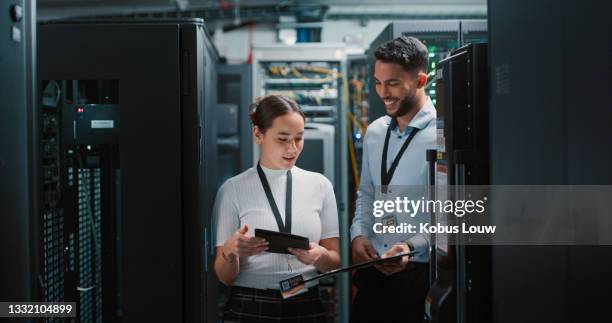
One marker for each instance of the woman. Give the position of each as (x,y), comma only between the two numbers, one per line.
(278,196)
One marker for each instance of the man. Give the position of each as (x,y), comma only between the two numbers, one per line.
(394,155)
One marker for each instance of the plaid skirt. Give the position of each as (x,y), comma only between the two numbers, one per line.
(267,305)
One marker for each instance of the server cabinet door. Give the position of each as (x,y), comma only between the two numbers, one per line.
(15,116)
(149,139)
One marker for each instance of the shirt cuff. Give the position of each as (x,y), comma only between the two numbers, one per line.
(419,244)
(357,230)
(329,235)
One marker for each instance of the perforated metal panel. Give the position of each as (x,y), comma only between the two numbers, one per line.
(98,235)
(90,280)
(53,260)
(52,225)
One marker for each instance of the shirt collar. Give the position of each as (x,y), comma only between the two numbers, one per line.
(420,120)
(274,172)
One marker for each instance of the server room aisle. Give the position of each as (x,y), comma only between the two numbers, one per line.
(120,120)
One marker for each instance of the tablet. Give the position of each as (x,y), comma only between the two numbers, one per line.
(296,285)
(280,241)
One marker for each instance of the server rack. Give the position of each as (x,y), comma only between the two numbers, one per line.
(315,76)
(127,162)
(234,150)
(461,273)
(564,139)
(17,149)
(473,32)
(551,147)
(358,80)
(440,36)
(235,138)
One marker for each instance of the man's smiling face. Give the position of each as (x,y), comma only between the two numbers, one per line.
(396,88)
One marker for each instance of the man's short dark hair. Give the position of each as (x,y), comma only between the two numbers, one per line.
(408,52)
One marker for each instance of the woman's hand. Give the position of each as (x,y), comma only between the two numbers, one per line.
(241,245)
(227,261)
(310,256)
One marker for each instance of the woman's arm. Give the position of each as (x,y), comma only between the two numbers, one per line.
(227,260)
(325,256)
(331,259)
(226,223)
(227,266)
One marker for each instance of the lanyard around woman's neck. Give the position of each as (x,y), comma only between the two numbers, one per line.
(282,227)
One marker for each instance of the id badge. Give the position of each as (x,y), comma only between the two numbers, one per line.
(389,220)
(292,286)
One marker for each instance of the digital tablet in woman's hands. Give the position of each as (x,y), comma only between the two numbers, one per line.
(281,241)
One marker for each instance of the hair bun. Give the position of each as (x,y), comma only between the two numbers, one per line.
(265,109)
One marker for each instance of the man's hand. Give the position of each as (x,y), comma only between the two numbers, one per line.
(391,267)
(310,256)
(363,250)
(239,244)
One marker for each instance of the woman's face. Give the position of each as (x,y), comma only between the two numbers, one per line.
(282,143)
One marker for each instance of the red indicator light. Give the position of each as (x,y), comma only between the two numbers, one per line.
(80,110)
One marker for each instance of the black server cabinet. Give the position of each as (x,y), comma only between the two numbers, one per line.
(461,287)
(17,188)
(551,110)
(126,110)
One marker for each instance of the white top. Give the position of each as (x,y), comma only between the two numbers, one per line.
(242,200)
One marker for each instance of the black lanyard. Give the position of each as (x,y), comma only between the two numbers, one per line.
(281,227)
(385,177)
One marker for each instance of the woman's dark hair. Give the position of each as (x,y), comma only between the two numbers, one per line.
(268,108)
(408,52)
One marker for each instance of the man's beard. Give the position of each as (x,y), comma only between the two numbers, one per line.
(406,105)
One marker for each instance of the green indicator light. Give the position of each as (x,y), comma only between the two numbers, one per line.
(431,54)
(432,91)
(433,64)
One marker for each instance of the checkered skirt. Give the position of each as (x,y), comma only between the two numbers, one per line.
(259,305)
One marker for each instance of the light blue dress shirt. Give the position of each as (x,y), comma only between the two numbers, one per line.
(411,174)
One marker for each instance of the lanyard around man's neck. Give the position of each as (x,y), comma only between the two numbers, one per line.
(286,227)
(385,177)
